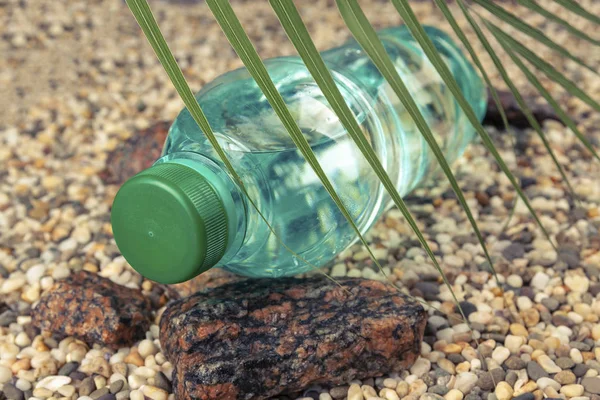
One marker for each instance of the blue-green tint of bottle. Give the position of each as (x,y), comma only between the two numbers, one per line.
(186,214)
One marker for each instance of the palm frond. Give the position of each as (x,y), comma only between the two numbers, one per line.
(529,30)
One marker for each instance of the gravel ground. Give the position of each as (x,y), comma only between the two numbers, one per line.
(77,78)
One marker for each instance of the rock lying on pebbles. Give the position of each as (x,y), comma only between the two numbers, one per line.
(254,339)
(93,309)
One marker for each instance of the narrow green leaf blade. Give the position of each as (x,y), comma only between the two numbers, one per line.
(533,122)
(572,6)
(240,42)
(299,36)
(529,30)
(549,70)
(564,117)
(534,6)
(443,6)
(428,47)
(143,15)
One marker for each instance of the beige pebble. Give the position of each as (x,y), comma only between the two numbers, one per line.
(22,364)
(368,391)
(518,330)
(53,382)
(454,394)
(154,393)
(22,340)
(446,365)
(134,358)
(528,387)
(42,393)
(389,394)
(146,348)
(390,383)
(573,390)
(503,391)
(402,388)
(547,364)
(5,374)
(355,392)
(135,395)
(67,390)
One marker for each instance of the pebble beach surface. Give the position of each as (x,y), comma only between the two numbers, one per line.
(77,79)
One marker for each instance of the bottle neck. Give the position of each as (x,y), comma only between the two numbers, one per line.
(227,190)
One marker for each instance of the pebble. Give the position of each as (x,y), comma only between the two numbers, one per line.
(513,343)
(67,390)
(540,281)
(591,385)
(548,365)
(572,390)
(577,283)
(503,391)
(155,393)
(454,394)
(339,392)
(465,382)
(543,383)
(389,394)
(116,386)
(525,396)
(565,362)
(96,394)
(420,367)
(68,368)
(161,381)
(489,379)
(355,392)
(147,348)
(12,392)
(87,386)
(500,354)
(515,363)
(53,382)
(535,371)
(5,374)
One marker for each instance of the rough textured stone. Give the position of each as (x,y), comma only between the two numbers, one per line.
(255,338)
(136,154)
(207,280)
(541,112)
(93,309)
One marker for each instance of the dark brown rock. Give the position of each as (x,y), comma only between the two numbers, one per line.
(514,114)
(136,154)
(256,338)
(93,309)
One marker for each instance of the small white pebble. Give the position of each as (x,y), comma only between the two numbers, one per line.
(22,340)
(53,382)
(145,372)
(133,395)
(515,281)
(23,384)
(135,381)
(147,348)
(5,374)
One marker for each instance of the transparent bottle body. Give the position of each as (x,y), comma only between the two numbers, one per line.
(283,185)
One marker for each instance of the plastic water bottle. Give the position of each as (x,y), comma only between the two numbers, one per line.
(185,214)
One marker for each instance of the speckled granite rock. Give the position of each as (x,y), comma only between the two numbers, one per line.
(136,154)
(207,280)
(93,309)
(256,338)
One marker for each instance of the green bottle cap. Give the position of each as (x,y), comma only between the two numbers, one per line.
(169,223)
